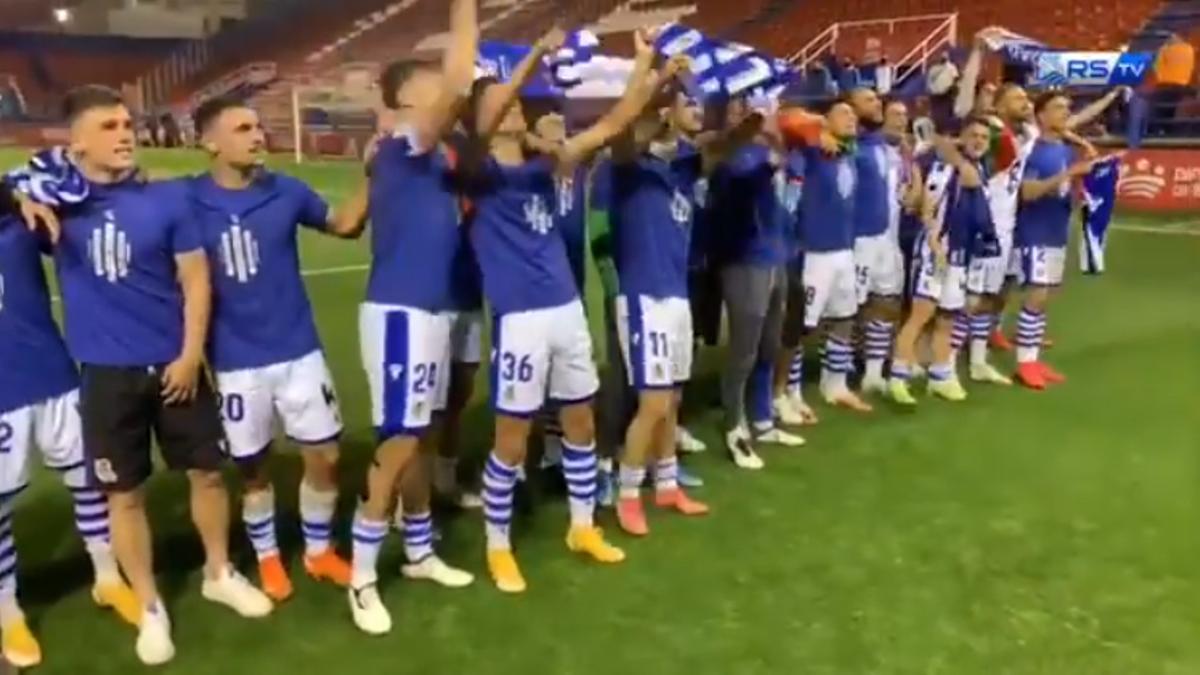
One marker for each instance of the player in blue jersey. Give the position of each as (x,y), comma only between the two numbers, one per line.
(957,219)
(263,343)
(136,294)
(655,172)
(408,317)
(1040,240)
(39,409)
(541,342)
(878,262)
(827,237)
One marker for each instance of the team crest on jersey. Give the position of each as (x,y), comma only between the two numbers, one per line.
(239,252)
(681,209)
(845,179)
(539,218)
(110,250)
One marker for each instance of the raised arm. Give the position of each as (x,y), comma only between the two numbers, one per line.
(350,219)
(643,85)
(458,71)
(494,107)
(964,103)
(1094,109)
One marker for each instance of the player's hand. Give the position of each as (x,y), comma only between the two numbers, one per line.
(968,175)
(981,38)
(643,43)
(180,380)
(675,65)
(38,216)
(939,254)
(829,143)
(553,40)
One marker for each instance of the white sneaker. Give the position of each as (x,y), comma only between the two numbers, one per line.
(874,385)
(368,611)
(154,645)
(686,442)
(777,436)
(737,442)
(436,570)
(236,592)
(986,372)
(792,410)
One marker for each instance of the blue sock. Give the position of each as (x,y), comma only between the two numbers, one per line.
(941,372)
(759,395)
(9,609)
(877,345)
(796,372)
(418,536)
(499,482)
(580,471)
(1031,331)
(901,371)
(258,516)
(958,335)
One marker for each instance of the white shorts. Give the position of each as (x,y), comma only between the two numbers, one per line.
(947,286)
(1039,265)
(878,267)
(406,355)
(466,337)
(985,276)
(299,392)
(829,286)
(656,340)
(54,428)
(540,352)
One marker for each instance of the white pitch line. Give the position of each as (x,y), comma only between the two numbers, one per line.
(324,271)
(1151,229)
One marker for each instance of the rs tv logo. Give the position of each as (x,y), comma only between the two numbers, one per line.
(1092,69)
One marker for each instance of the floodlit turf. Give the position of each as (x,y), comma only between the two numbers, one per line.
(1042,533)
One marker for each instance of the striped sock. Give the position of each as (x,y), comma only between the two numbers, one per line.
(499,481)
(877,346)
(91,521)
(316,518)
(839,361)
(579,468)
(958,334)
(418,536)
(941,372)
(258,515)
(981,329)
(666,474)
(796,372)
(901,371)
(368,539)
(9,608)
(631,478)
(1031,330)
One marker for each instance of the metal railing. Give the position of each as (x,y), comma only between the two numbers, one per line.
(825,42)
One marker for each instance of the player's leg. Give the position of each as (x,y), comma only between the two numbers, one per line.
(1041,271)
(787,389)
(59,435)
(19,646)
(942,379)
(401,350)
(190,439)
(116,433)
(307,404)
(573,382)
(841,308)
(668,490)
(884,306)
(746,292)
(645,349)
(248,417)
(769,347)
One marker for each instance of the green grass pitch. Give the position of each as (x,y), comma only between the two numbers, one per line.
(1051,533)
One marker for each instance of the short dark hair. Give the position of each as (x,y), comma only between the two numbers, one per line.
(207,112)
(87,97)
(974,120)
(890,101)
(1046,97)
(395,74)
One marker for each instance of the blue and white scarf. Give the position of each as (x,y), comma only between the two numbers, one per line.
(50,179)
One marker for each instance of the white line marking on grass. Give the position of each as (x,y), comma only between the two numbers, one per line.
(1150,229)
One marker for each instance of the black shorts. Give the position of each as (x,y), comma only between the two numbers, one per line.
(120,407)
